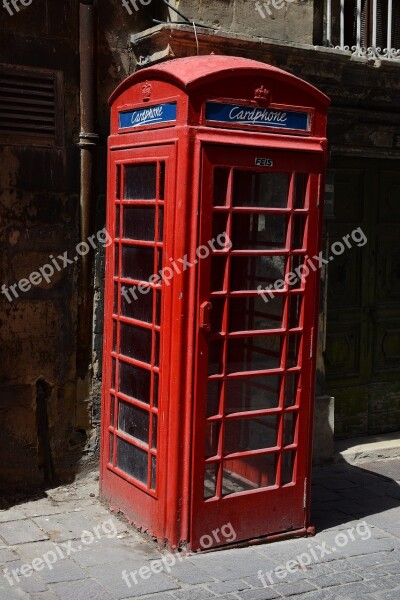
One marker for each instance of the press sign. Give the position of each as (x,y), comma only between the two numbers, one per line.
(151,115)
(264,162)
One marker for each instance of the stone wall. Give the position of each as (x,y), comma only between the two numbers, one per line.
(49,402)
(280,20)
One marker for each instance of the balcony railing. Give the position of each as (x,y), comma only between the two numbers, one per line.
(369,28)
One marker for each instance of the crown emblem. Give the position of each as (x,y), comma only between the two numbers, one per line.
(262,94)
(146,91)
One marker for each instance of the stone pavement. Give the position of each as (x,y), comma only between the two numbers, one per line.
(63,546)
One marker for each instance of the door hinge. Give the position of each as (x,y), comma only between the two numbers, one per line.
(311,342)
(305,494)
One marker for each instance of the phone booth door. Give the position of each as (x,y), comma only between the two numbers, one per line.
(140,187)
(254,349)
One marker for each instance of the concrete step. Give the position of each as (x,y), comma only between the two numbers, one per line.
(369,448)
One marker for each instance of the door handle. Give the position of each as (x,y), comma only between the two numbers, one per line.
(204,317)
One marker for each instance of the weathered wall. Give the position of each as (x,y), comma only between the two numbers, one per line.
(39,217)
(283,20)
(49,414)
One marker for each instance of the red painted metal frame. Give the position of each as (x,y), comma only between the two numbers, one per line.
(175,512)
(242,510)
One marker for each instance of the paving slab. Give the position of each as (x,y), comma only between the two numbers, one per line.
(81,590)
(28,580)
(20,532)
(111,578)
(63,570)
(355,554)
(44,596)
(74,525)
(13,514)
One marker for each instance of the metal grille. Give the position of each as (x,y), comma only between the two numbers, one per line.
(27,103)
(369,28)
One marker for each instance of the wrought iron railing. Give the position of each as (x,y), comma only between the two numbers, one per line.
(369,28)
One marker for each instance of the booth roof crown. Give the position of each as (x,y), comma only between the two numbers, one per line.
(262,93)
(146,90)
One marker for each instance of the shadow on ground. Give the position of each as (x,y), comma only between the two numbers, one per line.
(344,492)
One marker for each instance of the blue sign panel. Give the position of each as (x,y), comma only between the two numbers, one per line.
(162,113)
(235,114)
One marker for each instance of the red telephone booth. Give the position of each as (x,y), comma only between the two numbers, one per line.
(215,192)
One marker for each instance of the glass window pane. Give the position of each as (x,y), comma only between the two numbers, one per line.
(158,308)
(296,263)
(217,314)
(139,223)
(215,356)
(291,388)
(220,226)
(300,186)
(157,348)
(134,382)
(289,428)
(259,232)
(116,294)
(161,191)
(214,391)
(160,256)
(136,342)
(250,434)
(134,421)
(250,272)
(116,265)
(153,472)
(249,473)
(218,272)
(221,178)
(298,231)
(288,460)
(252,393)
(140,182)
(210,480)
(137,305)
(112,410)
(137,262)
(115,331)
(118,182)
(111,455)
(265,190)
(160,224)
(156,391)
(254,353)
(132,460)
(113,370)
(212,439)
(293,350)
(117,220)
(295,305)
(155,432)
(246,314)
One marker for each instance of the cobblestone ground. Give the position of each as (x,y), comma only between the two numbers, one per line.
(356,553)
